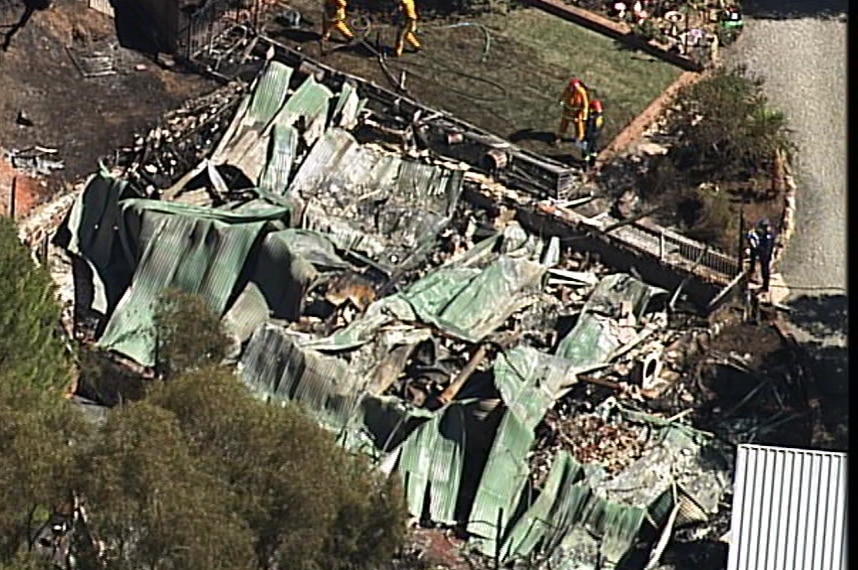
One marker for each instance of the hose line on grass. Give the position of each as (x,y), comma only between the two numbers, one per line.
(363,32)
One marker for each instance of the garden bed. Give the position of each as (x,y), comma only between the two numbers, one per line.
(711,166)
(692,29)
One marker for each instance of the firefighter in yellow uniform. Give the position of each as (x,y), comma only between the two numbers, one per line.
(576,104)
(407,32)
(334,18)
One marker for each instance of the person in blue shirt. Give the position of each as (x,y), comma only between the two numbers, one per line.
(761,243)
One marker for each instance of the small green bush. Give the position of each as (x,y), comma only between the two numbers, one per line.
(726,128)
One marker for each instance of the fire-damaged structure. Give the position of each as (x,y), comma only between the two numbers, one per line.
(424,326)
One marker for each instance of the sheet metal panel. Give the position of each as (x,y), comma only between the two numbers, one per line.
(283,146)
(431,462)
(195,255)
(789,510)
(268,94)
(274,367)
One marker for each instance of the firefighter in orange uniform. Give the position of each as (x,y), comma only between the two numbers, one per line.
(407,33)
(576,103)
(334,18)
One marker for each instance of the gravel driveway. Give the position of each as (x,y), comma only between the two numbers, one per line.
(799,48)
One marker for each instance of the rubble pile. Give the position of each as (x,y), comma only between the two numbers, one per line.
(592,439)
(160,157)
(430,331)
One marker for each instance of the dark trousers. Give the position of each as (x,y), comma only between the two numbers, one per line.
(591,141)
(765,259)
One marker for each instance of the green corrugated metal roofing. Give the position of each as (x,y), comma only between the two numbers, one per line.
(256,109)
(503,480)
(268,93)
(349,104)
(276,368)
(90,227)
(471,303)
(248,312)
(157,245)
(529,382)
(571,526)
(373,202)
(430,464)
(594,336)
(283,146)
(537,525)
(310,100)
(248,140)
(194,255)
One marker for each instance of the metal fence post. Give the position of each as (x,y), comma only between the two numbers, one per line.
(742,238)
(12,197)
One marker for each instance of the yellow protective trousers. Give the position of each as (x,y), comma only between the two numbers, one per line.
(407,34)
(334,18)
(578,117)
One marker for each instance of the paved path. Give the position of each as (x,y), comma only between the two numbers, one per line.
(801,54)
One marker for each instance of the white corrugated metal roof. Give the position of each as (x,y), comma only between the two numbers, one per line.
(789,510)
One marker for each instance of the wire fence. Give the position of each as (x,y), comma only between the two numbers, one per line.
(675,249)
(199,29)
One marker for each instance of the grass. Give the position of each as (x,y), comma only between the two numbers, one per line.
(511,88)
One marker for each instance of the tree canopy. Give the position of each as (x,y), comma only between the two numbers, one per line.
(195,475)
(31,350)
(308,503)
(189,335)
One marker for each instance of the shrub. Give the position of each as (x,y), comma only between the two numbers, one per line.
(189,335)
(728,129)
(308,503)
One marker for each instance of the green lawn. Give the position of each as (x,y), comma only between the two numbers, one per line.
(512,89)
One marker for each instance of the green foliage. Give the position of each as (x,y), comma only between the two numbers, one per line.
(35,430)
(715,221)
(309,504)
(149,501)
(31,348)
(726,127)
(23,561)
(189,335)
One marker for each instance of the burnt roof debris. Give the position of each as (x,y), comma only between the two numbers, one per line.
(431,331)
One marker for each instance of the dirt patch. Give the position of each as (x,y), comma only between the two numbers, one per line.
(745,386)
(83,118)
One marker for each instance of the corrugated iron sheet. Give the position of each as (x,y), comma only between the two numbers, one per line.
(373,202)
(283,145)
(529,381)
(595,335)
(93,217)
(276,368)
(268,95)
(309,100)
(195,255)
(430,464)
(249,310)
(471,303)
(347,108)
(502,483)
(789,510)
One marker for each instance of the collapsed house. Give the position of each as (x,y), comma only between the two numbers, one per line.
(434,335)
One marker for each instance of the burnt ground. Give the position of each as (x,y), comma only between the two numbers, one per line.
(500,71)
(745,385)
(83,118)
